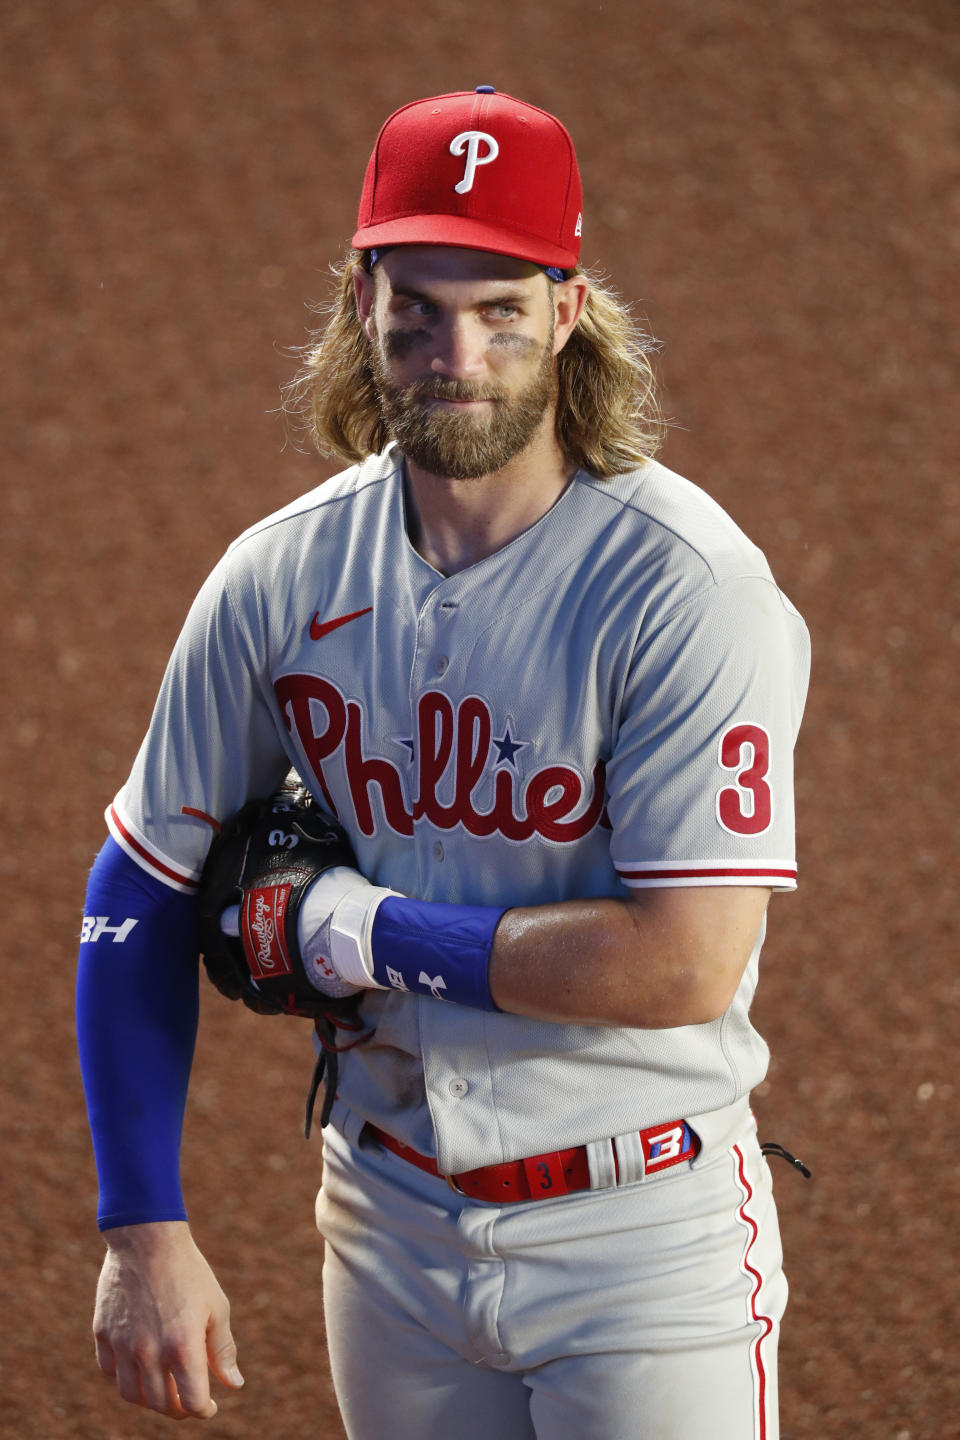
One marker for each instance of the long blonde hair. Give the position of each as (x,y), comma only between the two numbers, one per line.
(608,414)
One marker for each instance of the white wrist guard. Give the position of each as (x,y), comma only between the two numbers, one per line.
(334,929)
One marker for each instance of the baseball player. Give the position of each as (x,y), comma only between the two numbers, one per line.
(550,692)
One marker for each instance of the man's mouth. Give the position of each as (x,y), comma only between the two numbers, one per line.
(454,395)
(457,404)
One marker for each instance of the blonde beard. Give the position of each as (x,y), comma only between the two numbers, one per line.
(463,446)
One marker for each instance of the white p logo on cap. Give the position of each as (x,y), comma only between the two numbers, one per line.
(469,141)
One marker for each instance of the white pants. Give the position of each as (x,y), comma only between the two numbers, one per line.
(650,1312)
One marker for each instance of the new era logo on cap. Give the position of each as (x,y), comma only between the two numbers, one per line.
(476,169)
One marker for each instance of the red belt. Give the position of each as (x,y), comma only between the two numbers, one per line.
(558,1172)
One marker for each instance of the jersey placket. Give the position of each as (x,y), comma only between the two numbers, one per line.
(455,1092)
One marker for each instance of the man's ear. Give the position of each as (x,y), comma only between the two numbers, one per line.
(364,289)
(569,298)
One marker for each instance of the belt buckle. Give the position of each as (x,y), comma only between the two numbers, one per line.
(451,1181)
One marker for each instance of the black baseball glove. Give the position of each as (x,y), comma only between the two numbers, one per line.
(259,868)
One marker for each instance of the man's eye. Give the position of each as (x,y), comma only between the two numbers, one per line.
(504,312)
(422,308)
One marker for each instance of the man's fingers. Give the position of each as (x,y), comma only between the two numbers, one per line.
(178,1386)
(189,1370)
(145,1382)
(159,1392)
(105,1357)
(174,1408)
(222,1351)
(128,1379)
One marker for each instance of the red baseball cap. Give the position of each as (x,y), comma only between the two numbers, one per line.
(475,169)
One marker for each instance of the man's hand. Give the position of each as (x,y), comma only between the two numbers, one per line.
(272,880)
(161,1319)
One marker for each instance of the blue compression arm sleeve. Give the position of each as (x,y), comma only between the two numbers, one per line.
(137,1004)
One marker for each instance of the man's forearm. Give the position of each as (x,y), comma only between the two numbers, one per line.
(137,1002)
(661,959)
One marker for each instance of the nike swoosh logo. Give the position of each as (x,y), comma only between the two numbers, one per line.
(318,630)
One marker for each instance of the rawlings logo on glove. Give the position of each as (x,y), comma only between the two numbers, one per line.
(262,934)
(252,888)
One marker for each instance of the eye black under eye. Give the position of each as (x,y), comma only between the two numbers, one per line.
(398,343)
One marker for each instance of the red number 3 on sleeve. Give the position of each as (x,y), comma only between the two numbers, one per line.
(746,806)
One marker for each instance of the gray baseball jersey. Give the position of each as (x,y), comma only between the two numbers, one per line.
(609,701)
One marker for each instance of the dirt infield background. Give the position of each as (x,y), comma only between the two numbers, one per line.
(775,181)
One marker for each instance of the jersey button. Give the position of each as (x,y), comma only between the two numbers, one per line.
(458,1088)
(441,664)
(438,850)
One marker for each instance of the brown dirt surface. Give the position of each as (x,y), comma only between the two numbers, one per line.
(777,185)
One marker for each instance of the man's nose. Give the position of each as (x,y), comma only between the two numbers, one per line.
(459,349)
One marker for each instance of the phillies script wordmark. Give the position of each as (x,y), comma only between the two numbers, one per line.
(453,740)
